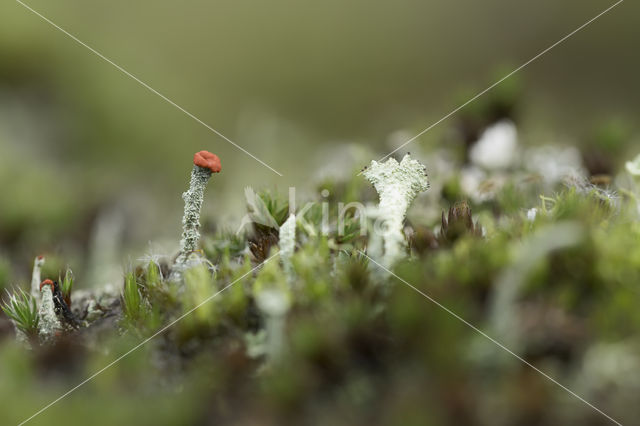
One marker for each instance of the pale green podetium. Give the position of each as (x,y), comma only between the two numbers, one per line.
(48,325)
(38,262)
(274,304)
(287,242)
(397,185)
(204,164)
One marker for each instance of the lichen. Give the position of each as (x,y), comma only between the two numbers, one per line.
(497,148)
(397,185)
(193,199)
(274,304)
(287,242)
(49,324)
(36,278)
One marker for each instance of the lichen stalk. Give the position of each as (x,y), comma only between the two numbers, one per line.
(397,185)
(193,199)
(205,163)
(49,325)
(274,304)
(287,242)
(36,278)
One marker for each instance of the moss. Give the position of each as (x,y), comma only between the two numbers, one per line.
(357,346)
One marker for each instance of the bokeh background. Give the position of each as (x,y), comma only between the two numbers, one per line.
(87,153)
(89,157)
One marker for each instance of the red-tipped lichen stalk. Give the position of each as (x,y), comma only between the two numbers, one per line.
(204,164)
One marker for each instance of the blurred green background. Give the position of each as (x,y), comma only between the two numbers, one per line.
(86,152)
(92,166)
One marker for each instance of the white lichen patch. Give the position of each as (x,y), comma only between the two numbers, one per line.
(497,148)
(553,163)
(397,185)
(287,243)
(480,186)
(21,336)
(35,278)
(49,324)
(274,304)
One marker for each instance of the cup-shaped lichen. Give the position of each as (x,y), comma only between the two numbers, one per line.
(397,185)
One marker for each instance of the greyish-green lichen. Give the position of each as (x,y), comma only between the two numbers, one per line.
(287,242)
(36,278)
(397,185)
(49,324)
(274,304)
(193,199)
(21,336)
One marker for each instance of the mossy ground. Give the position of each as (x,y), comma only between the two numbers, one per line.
(361,346)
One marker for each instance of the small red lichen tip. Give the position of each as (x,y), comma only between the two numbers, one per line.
(46,282)
(40,257)
(207,160)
